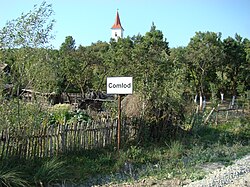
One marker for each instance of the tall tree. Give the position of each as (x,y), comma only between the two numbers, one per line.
(154,74)
(101,65)
(246,70)
(22,39)
(235,60)
(32,29)
(203,55)
(120,58)
(77,66)
(23,36)
(68,45)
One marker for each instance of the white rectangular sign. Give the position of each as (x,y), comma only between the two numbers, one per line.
(119,85)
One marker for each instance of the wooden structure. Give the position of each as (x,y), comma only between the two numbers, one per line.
(224,113)
(57,139)
(46,98)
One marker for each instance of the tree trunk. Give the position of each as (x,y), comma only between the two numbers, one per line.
(195,99)
(201,101)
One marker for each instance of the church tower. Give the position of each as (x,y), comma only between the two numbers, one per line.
(116,29)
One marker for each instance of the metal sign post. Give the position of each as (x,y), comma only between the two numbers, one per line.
(119,123)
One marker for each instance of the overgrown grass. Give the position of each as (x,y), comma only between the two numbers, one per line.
(12,178)
(177,158)
(50,171)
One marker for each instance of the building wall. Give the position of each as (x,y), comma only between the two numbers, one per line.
(117,33)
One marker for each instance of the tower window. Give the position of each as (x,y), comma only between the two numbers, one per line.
(115,33)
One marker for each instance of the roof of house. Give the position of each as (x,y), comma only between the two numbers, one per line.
(117,24)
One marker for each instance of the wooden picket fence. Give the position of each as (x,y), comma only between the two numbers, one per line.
(57,139)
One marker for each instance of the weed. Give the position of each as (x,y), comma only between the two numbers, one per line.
(176,149)
(51,171)
(11,178)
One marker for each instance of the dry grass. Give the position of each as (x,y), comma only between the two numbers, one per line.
(132,106)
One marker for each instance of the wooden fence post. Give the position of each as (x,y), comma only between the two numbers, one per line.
(207,118)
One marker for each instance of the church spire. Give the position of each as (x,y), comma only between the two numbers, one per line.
(117,29)
(117,24)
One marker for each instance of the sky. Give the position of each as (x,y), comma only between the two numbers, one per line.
(89,21)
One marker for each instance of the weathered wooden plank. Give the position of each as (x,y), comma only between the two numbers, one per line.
(29,147)
(1,142)
(25,147)
(7,142)
(4,143)
(32,144)
(50,141)
(66,138)
(59,147)
(63,132)
(74,137)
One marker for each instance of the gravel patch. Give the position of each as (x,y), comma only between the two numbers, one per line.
(238,174)
(242,181)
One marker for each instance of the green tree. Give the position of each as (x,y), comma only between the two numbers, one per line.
(159,80)
(23,36)
(120,58)
(101,66)
(32,29)
(235,61)
(76,66)
(246,70)
(203,55)
(66,54)
(155,75)
(68,45)
(180,69)
(21,43)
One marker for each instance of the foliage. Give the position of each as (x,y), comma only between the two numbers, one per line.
(60,113)
(203,53)
(162,76)
(21,42)
(63,113)
(175,149)
(16,113)
(214,91)
(79,116)
(134,153)
(77,66)
(51,171)
(11,178)
(146,59)
(235,61)
(29,30)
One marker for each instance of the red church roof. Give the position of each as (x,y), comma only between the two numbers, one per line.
(117,24)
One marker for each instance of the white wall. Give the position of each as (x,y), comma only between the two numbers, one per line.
(116,33)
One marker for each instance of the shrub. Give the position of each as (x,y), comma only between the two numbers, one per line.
(59,112)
